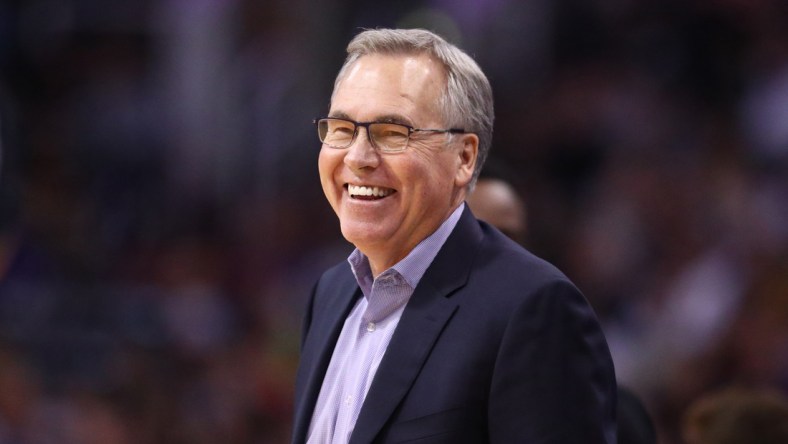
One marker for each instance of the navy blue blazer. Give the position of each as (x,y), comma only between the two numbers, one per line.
(494,346)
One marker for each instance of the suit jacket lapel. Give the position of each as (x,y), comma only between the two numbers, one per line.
(317,351)
(420,326)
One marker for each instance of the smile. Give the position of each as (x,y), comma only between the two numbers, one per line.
(368,192)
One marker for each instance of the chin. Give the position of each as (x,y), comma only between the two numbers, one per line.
(359,233)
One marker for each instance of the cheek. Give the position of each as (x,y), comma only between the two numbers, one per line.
(429,184)
(425,161)
(435,166)
(326,164)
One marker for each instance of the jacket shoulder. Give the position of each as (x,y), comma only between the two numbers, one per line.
(503,260)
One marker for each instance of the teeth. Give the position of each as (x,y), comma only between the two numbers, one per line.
(356,190)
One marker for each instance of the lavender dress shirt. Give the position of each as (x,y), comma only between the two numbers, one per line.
(366,334)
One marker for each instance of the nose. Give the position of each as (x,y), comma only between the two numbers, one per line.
(361,153)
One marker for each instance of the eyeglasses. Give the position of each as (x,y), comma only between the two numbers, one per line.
(385,137)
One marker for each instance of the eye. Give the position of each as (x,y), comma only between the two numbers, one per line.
(340,128)
(390,131)
(336,133)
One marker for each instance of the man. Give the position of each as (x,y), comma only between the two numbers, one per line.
(440,329)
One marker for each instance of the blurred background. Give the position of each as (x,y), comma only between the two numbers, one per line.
(162,222)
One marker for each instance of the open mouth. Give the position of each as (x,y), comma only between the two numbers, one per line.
(363,192)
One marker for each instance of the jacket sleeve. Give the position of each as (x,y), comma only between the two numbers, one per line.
(553,380)
(307,318)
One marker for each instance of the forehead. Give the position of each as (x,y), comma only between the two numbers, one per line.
(376,84)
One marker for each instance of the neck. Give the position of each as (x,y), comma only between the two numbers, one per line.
(389,252)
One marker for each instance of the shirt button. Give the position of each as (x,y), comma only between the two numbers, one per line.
(371,327)
(348,400)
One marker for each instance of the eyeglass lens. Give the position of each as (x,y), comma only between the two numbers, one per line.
(339,133)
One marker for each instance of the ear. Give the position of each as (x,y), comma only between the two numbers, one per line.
(467,154)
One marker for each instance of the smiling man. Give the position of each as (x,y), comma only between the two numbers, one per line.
(438,329)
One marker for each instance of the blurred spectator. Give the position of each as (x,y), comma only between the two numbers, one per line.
(497,202)
(737,416)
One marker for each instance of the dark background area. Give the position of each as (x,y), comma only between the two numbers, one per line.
(162,222)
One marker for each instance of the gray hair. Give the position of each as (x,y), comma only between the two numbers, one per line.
(467,101)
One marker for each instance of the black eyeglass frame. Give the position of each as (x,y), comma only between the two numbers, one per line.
(366,125)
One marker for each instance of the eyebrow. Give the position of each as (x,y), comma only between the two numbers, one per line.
(386,118)
(394,118)
(339,115)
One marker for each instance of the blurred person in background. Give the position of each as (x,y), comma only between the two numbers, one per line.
(737,416)
(497,202)
(440,329)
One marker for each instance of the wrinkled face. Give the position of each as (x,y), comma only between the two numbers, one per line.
(388,202)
